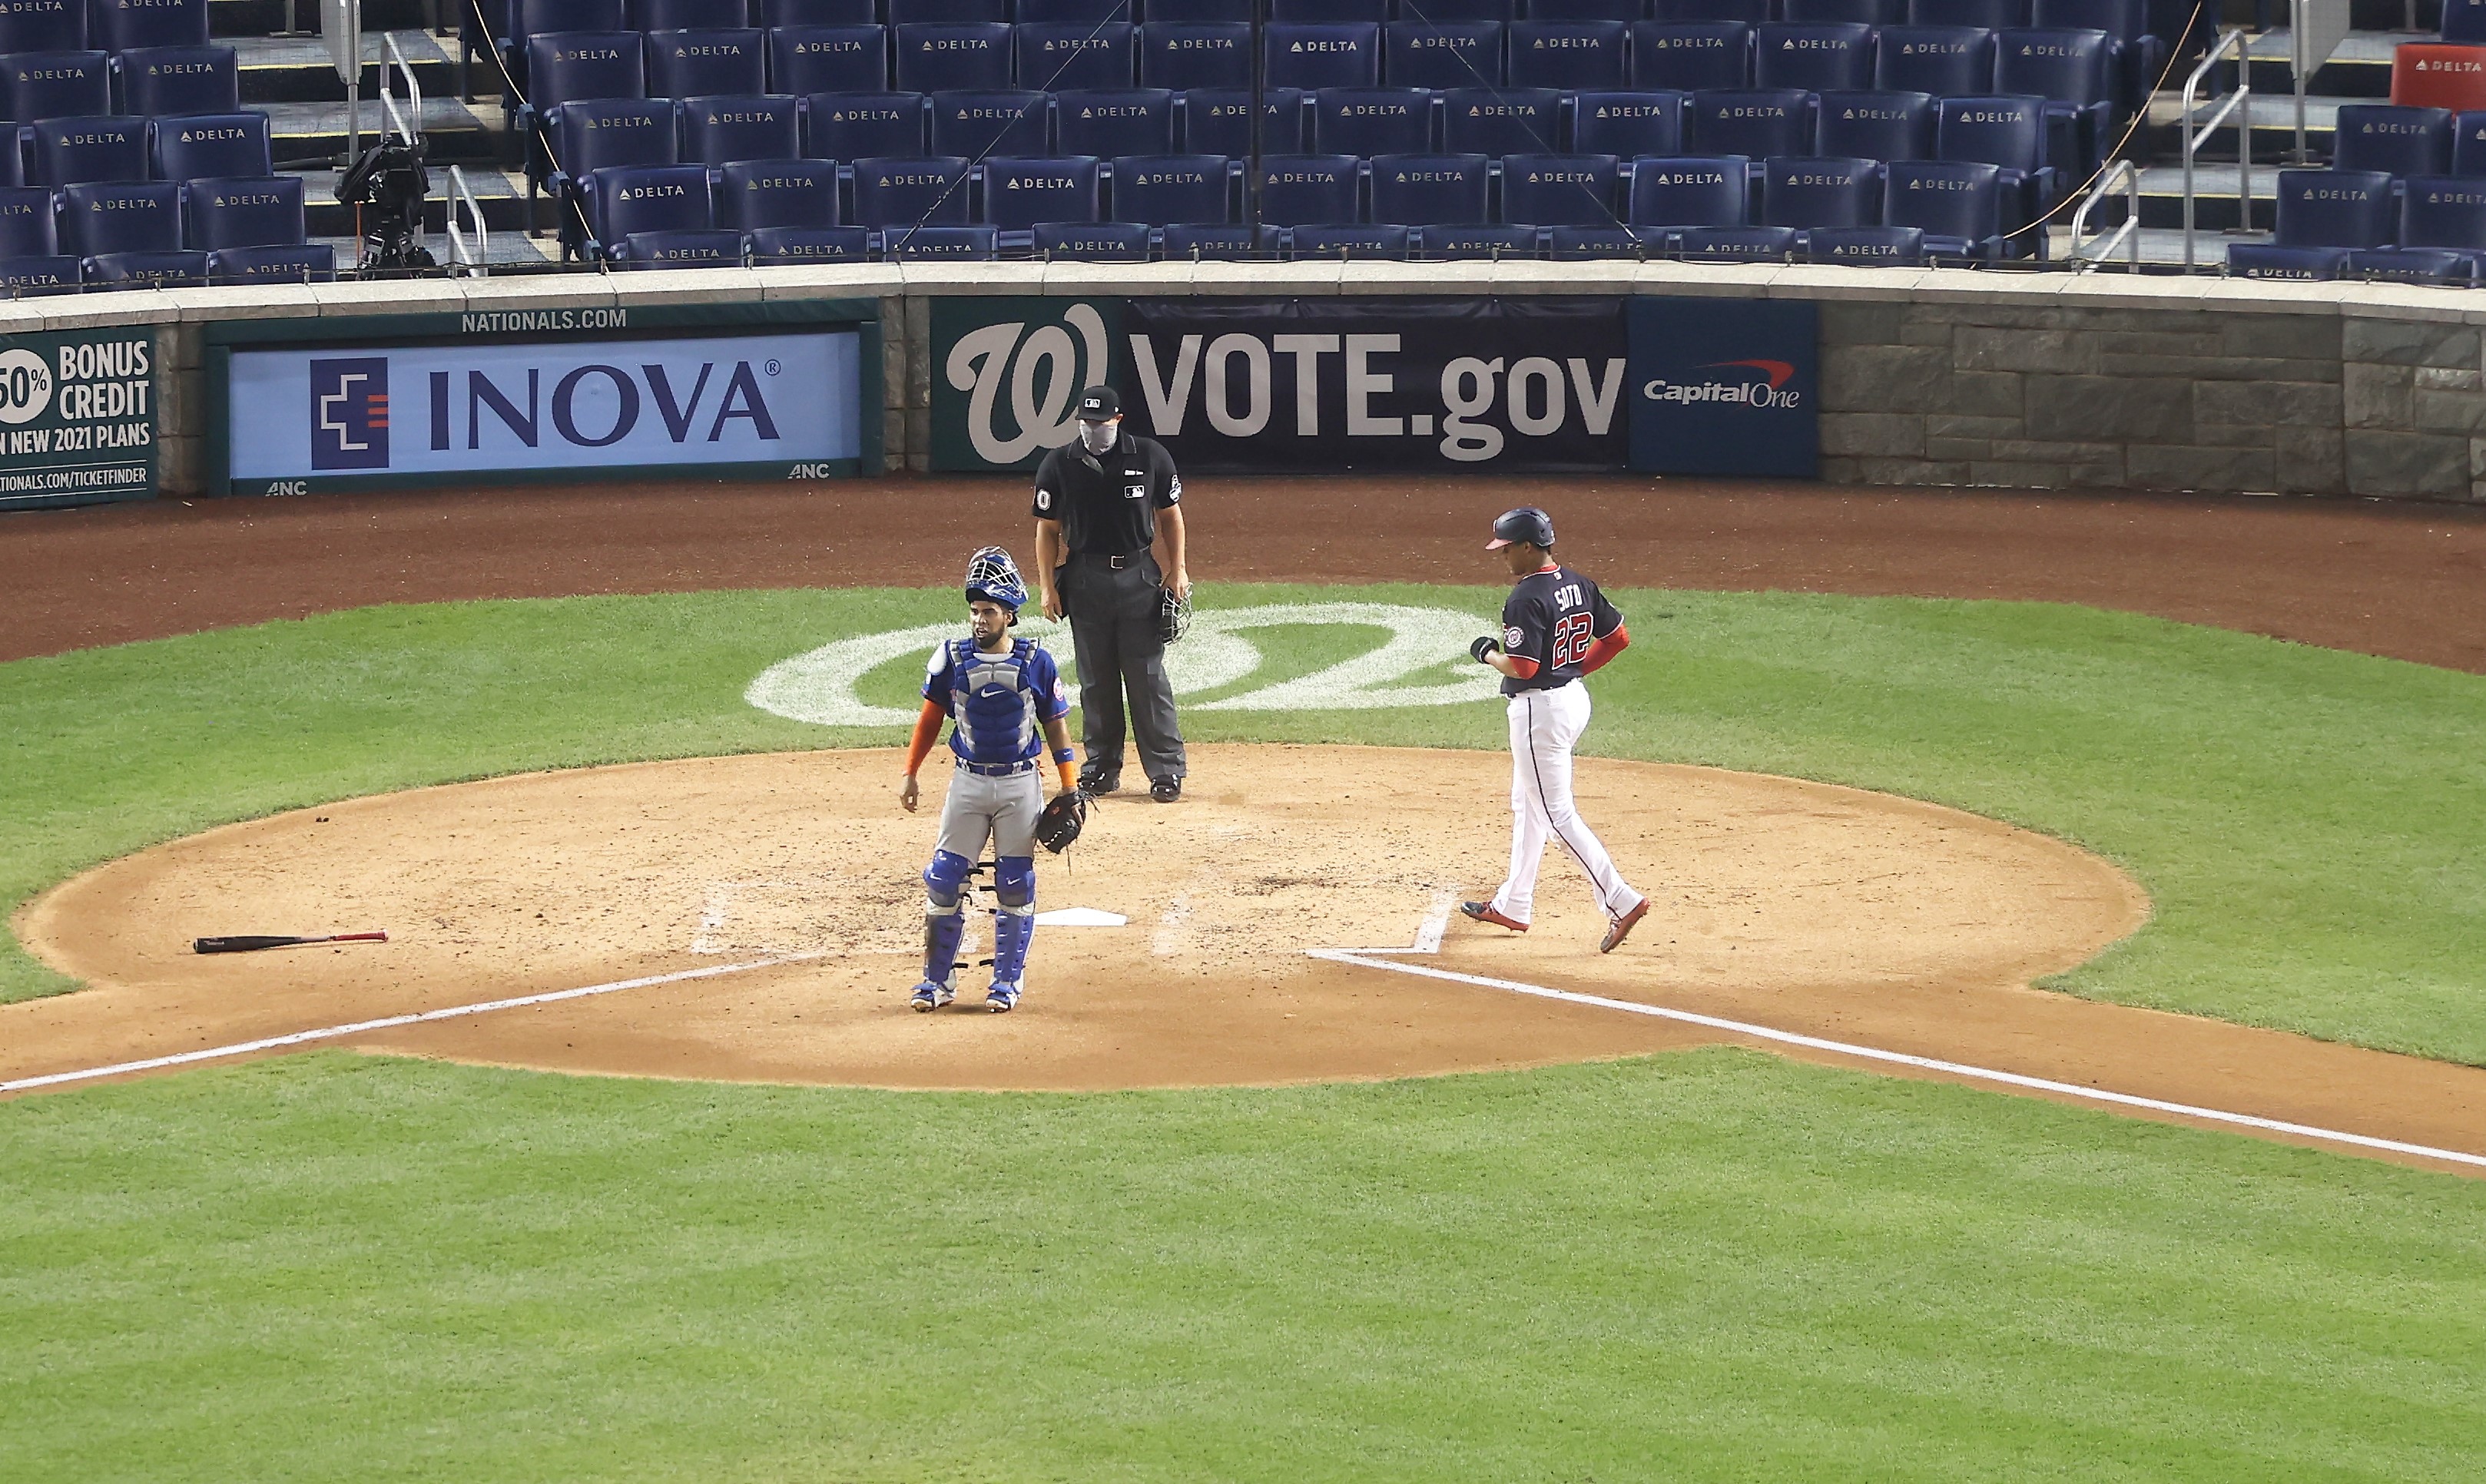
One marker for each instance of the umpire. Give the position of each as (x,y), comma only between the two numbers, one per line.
(1108,531)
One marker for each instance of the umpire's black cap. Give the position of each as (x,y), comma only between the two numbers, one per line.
(1099,404)
(1526,526)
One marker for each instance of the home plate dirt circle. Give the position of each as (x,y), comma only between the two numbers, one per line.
(1768,887)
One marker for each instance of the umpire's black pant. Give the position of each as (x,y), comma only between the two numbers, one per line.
(1114,634)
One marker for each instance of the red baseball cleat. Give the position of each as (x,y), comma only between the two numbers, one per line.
(1484,912)
(1620,928)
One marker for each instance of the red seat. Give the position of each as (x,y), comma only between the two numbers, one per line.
(2428,74)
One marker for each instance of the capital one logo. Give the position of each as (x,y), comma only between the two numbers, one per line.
(1022,384)
(349,407)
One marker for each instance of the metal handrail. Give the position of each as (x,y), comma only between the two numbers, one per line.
(396,63)
(476,259)
(2122,172)
(2242,98)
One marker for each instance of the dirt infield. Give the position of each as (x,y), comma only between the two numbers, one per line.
(2406,581)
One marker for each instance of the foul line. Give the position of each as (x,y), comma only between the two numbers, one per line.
(358,1028)
(1365,958)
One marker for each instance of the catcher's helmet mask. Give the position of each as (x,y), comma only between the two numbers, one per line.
(992,577)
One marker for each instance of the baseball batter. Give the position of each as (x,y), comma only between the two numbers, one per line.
(1555,628)
(1005,702)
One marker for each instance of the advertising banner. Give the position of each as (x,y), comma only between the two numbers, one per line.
(1726,386)
(77,417)
(1006,372)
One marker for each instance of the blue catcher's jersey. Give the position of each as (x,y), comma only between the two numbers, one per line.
(999,702)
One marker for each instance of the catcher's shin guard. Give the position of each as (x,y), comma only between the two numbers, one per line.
(1014,920)
(944,880)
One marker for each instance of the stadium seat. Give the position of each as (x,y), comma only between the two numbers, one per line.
(931,190)
(1055,56)
(688,14)
(2464,20)
(164,81)
(572,67)
(976,124)
(2070,70)
(1865,247)
(255,211)
(69,151)
(1178,243)
(1626,11)
(1346,240)
(55,85)
(1502,12)
(696,247)
(1628,124)
(1737,244)
(304,263)
(1172,190)
(804,60)
(1430,190)
(1309,189)
(2005,132)
(1875,126)
(2138,55)
(752,194)
(1371,121)
(1443,54)
(1752,121)
(120,217)
(1944,61)
(195,148)
(1876,13)
(1567,54)
(147,268)
(2335,208)
(1309,56)
(1217,121)
(1988,15)
(2395,141)
(809,244)
(1019,193)
(967,58)
(2413,265)
(1065,11)
(716,130)
(26,222)
(2469,144)
(42,25)
(1472,242)
(973,244)
(600,133)
(2443,212)
(1200,12)
(1957,204)
(531,18)
(509,25)
(126,25)
(2299,263)
(1823,58)
(1558,190)
(1688,55)
(1325,12)
(1131,121)
(1090,242)
(622,199)
(707,64)
(948,13)
(778,13)
(866,126)
(1809,191)
(1502,121)
(30,276)
(1585,244)
(1690,192)
(1196,54)
(1750,13)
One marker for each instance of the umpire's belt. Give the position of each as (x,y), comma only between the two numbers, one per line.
(997,769)
(1111,561)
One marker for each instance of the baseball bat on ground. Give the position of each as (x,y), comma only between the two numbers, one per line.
(247,942)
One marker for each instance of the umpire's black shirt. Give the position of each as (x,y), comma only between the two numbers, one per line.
(1107,503)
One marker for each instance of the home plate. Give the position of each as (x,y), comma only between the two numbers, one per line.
(1080,917)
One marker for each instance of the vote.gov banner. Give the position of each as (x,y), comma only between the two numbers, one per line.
(1726,386)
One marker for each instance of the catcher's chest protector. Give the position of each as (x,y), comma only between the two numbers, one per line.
(992,697)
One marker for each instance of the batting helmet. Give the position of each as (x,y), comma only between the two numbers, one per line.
(1174,615)
(1526,526)
(992,577)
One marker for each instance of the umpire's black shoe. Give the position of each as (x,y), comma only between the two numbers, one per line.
(1165,790)
(1101,783)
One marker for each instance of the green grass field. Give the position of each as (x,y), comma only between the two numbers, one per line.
(1711,1265)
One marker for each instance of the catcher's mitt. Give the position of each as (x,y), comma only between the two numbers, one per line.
(1059,821)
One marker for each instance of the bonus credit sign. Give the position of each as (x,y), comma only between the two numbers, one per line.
(77,417)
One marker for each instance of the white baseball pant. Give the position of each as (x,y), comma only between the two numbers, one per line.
(1544,725)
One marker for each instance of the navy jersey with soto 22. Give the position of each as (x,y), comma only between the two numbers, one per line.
(999,702)
(1551,621)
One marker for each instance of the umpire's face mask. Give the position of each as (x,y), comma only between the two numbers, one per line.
(1098,437)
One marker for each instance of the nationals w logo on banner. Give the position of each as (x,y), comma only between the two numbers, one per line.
(1006,374)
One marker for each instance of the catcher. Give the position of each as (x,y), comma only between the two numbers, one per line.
(998,692)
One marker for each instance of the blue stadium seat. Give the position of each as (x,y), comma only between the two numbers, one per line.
(1865,247)
(31,276)
(1750,13)
(2293,263)
(2414,265)
(1628,124)
(2070,69)
(1346,240)
(971,244)
(902,192)
(517,51)
(1474,242)
(1989,14)
(624,199)
(966,58)
(1558,190)
(776,13)
(752,194)
(2336,208)
(716,130)
(147,268)
(804,60)
(570,67)
(164,81)
(1090,242)
(2395,141)
(947,12)
(1753,121)
(688,14)
(1690,191)
(1957,204)
(1218,121)
(1502,121)
(593,134)
(26,222)
(55,85)
(1567,54)
(779,245)
(1019,193)
(530,18)
(1371,121)
(1876,13)
(120,217)
(1200,12)
(306,262)
(195,148)
(1309,189)
(1170,190)
(1805,191)
(1832,56)
(259,212)
(1131,121)
(1430,190)
(1875,126)
(2005,132)
(1504,10)
(1180,243)
(42,25)
(1196,54)
(1688,55)
(1737,244)
(69,151)
(2464,20)
(866,126)
(1586,244)
(1064,12)
(707,64)
(1443,54)
(1625,11)
(2443,212)
(1055,56)
(126,25)
(1309,56)
(1944,61)
(696,247)
(2139,55)
(976,124)
(1327,11)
